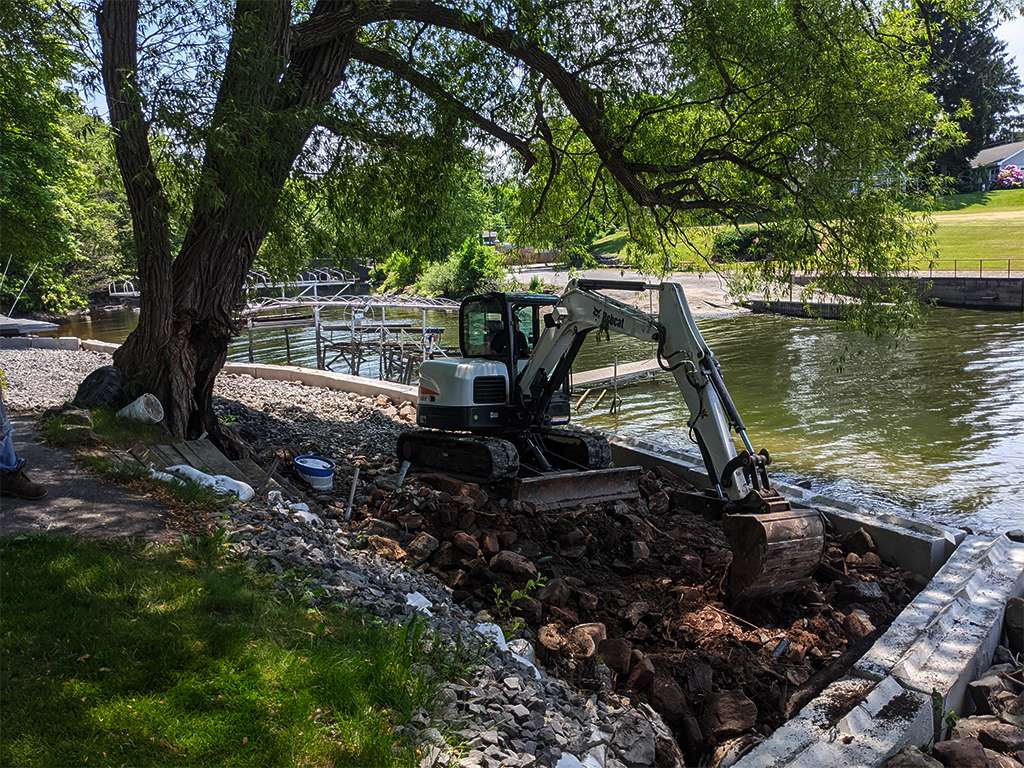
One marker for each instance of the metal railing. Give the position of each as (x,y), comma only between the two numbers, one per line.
(1008,267)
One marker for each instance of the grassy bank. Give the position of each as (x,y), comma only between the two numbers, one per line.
(982,225)
(116,654)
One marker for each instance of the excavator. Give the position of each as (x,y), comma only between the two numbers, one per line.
(498,415)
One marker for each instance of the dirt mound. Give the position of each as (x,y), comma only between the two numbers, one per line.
(629,599)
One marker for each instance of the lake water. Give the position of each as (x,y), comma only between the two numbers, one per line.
(933,424)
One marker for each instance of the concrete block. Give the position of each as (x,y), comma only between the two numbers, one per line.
(44,342)
(99,346)
(16,342)
(70,343)
(947,635)
(854,722)
(312,377)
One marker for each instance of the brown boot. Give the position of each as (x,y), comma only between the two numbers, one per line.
(14,482)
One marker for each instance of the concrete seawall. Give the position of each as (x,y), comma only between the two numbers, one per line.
(998,293)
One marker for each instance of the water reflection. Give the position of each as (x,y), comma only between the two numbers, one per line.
(934,423)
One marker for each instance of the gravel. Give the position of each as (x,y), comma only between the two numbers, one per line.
(41,378)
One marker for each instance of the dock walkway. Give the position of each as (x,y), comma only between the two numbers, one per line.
(602,377)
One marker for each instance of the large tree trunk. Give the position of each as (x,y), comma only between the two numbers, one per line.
(265,111)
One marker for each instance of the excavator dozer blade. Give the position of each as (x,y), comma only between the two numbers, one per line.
(555,490)
(772,552)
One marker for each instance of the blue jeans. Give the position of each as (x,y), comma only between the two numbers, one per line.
(8,458)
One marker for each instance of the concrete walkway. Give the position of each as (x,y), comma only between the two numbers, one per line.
(78,502)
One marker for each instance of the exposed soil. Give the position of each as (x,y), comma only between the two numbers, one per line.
(641,586)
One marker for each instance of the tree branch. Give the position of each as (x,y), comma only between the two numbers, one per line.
(381,59)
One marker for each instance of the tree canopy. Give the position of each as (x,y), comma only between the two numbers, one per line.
(972,76)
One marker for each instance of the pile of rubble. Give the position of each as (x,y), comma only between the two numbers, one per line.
(994,736)
(505,713)
(627,600)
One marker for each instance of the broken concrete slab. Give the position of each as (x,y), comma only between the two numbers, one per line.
(948,634)
(854,722)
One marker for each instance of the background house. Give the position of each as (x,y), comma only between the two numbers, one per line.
(985,166)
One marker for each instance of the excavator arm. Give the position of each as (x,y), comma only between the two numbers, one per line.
(775,547)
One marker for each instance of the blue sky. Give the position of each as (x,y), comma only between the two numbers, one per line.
(1013,33)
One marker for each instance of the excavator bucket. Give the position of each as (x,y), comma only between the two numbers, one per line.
(772,552)
(555,490)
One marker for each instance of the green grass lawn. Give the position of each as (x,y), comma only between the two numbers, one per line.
(994,229)
(122,655)
(979,202)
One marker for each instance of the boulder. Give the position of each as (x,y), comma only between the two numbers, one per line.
(859,542)
(912,757)
(728,714)
(996,760)
(639,552)
(855,590)
(557,592)
(1012,711)
(617,653)
(668,699)
(858,624)
(513,564)
(489,544)
(641,673)
(386,547)
(1002,737)
(103,388)
(970,727)
(550,639)
(961,753)
(421,547)
(76,416)
(465,543)
(982,690)
(870,559)
(595,629)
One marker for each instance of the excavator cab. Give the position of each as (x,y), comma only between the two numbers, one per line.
(505,328)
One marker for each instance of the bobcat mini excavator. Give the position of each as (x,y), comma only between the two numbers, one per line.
(497,415)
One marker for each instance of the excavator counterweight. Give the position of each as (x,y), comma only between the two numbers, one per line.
(497,415)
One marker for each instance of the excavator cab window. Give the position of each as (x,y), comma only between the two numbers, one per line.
(484,330)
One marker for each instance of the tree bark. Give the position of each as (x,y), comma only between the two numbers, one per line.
(266,108)
(141,357)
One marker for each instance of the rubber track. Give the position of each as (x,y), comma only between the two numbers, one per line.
(486,459)
(599,451)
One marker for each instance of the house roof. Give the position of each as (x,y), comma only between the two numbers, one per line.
(996,154)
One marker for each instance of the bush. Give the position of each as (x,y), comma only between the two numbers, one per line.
(398,271)
(761,245)
(473,268)
(1010,177)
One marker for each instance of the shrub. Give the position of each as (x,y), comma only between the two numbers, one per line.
(398,271)
(761,245)
(473,268)
(1010,177)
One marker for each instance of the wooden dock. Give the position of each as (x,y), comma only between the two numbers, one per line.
(605,377)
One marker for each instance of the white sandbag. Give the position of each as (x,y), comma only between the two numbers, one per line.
(146,409)
(217,483)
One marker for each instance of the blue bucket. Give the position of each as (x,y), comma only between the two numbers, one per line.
(318,471)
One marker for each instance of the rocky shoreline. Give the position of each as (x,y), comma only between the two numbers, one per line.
(623,603)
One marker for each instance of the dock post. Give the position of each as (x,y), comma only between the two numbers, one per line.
(287,347)
(249,326)
(316,332)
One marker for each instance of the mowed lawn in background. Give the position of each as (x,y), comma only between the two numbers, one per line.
(981,225)
(123,655)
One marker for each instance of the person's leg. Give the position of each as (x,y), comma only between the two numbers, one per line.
(13,480)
